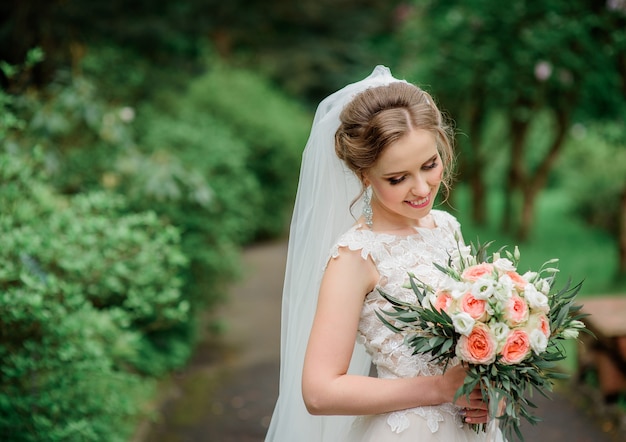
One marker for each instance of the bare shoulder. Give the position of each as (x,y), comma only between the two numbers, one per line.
(349,267)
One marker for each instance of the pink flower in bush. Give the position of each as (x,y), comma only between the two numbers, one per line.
(477,271)
(515,310)
(516,347)
(476,308)
(479,347)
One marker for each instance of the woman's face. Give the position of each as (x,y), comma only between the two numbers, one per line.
(405,181)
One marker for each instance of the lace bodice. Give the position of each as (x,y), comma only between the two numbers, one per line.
(394,257)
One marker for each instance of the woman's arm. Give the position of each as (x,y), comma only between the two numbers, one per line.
(327,388)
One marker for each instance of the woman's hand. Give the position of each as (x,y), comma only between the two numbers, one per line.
(475,409)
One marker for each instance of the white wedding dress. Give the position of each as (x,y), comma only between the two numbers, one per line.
(394,257)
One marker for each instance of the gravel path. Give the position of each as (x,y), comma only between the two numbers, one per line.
(227,392)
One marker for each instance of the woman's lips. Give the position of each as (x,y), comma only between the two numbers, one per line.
(419,204)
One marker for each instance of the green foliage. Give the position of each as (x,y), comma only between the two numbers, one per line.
(557,234)
(528,65)
(84,288)
(597,152)
(273,127)
(58,364)
(192,170)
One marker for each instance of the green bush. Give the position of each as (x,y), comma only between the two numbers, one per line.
(273,127)
(87,291)
(192,170)
(58,379)
(597,152)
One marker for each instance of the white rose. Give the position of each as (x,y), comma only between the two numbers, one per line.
(500,331)
(536,300)
(483,288)
(504,288)
(530,276)
(538,341)
(504,265)
(543,286)
(463,323)
(458,289)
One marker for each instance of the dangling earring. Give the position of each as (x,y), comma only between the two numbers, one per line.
(367,208)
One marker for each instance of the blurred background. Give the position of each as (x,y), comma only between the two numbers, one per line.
(145,145)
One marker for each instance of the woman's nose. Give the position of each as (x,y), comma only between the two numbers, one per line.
(421,186)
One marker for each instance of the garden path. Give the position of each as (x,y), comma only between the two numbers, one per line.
(227,392)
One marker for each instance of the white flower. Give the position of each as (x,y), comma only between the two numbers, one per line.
(543,70)
(530,276)
(463,323)
(458,289)
(572,331)
(500,331)
(127,114)
(536,300)
(504,288)
(538,341)
(504,265)
(483,288)
(543,286)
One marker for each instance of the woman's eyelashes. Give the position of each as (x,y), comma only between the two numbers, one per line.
(397,180)
(430,165)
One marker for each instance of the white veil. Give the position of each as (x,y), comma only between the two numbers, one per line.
(322,212)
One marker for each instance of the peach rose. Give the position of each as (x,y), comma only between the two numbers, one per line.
(515,310)
(473,273)
(443,301)
(516,347)
(519,282)
(479,347)
(539,321)
(476,308)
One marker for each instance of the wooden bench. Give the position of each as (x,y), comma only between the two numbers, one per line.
(607,353)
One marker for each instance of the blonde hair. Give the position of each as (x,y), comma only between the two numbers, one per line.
(380,116)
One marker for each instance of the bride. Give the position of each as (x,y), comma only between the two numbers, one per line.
(380,148)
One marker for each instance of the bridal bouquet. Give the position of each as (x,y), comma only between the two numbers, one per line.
(504,326)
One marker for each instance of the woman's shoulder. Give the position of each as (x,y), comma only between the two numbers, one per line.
(361,239)
(443,218)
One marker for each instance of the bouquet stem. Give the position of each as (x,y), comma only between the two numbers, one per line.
(497,406)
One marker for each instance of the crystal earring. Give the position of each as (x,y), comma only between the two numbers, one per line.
(367,208)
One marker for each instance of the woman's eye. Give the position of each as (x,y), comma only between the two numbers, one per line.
(394,181)
(431,165)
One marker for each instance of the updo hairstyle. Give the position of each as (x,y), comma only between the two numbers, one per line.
(380,116)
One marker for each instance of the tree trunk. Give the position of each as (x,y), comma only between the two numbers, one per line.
(528,214)
(476,169)
(479,207)
(474,166)
(622,235)
(536,183)
(516,176)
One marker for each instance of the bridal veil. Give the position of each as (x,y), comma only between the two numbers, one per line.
(321,214)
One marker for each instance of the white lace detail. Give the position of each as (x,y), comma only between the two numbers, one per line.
(395,257)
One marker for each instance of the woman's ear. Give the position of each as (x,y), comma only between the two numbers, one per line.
(364,179)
